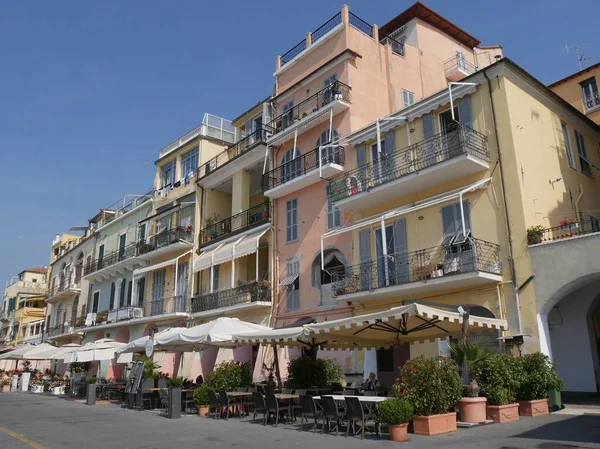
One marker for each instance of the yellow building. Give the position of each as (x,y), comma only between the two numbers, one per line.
(580,90)
(440,198)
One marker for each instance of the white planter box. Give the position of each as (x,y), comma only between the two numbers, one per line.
(37,388)
(25,381)
(58,390)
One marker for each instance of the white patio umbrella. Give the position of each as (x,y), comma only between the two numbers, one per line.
(141,344)
(50,352)
(32,354)
(17,353)
(103,349)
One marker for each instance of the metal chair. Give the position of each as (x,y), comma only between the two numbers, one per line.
(357,415)
(164,401)
(309,411)
(349,392)
(214,404)
(259,406)
(225,404)
(331,413)
(273,407)
(189,406)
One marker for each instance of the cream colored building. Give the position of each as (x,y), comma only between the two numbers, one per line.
(580,90)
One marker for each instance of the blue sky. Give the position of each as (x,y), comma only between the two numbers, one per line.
(90,91)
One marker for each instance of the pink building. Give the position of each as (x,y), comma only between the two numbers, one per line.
(341,77)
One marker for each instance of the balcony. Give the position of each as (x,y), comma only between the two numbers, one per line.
(166,242)
(6,316)
(567,229)
(305,170)
(445,157)
(65,290)
(236,224)
(469,264)
(253,294)
(113,263)
(311,112)
(591,102)
(28,287)
(243,154)
(457,67)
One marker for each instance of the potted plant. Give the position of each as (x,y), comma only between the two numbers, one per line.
(535,234)
(174,397)
(201,399)
(102,317)
(499,377)
(91,391)
(539,378)
(296,118)
(37,385)
(337,93)
(25,375)
(468,354)
(396,413)
(304,114)
(432,386)
(5,385)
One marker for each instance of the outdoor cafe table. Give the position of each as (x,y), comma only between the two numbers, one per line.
(339,397)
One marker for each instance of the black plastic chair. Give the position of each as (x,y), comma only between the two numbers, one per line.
(225,404)
(273,407)
(309,411)
(214,404)
(259,406)
(357,415)
(331,413)
(164,401)
(349,392)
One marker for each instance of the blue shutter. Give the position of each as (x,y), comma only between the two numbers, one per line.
(428,136)
(361,160)
(390,153)
(465,113)
(428,126)
(400,252)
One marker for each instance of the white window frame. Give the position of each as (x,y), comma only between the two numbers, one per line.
(408,98)
(568,146)
(583,159)
(291,221)
(293,290)
(164,168)
(334,214)
(187,159)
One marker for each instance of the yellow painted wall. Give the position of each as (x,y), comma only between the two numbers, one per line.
(570,90)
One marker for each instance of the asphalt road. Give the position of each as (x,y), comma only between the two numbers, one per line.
(45,422)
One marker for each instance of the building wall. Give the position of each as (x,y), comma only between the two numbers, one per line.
(110,234)
(570,91)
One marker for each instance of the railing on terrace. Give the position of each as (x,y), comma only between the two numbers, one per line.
(591,102)
(165,238)
(112,258)
(240,147)
(326,27)
(361,25)
(335,91)
(243,294)
(397,46)
(125,204)
(458,62)
(58,330)
(247,219)
(301,165)
(565,230)
(67,284)
(457,140)
(403,268)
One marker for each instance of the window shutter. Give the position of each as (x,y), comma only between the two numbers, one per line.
(122,293)
(390,151)
(361,155)
(428,126)
(448,220)
(465,112)
(141,292)
(129,292)
(112,296)
(364,238)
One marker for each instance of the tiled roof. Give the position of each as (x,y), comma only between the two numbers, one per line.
(41,270)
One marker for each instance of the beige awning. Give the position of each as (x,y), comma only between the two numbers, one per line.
(158,266)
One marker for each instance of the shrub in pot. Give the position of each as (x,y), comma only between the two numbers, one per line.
(307,372)
(500,377)
(396,413)
(91,391)
(202,400)
(228,376)
(432,386)
(539,378)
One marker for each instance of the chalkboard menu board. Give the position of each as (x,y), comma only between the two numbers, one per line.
(135,376)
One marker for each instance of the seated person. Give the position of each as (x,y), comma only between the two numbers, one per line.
(371,383)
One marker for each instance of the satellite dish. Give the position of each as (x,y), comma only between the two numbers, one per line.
(149,348)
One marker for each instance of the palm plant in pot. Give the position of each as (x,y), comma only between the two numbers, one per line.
(500,377)
(539,378)
(396,413)
(468,354)
(202,400)
(432,386)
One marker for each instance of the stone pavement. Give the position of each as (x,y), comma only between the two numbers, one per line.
(45,422)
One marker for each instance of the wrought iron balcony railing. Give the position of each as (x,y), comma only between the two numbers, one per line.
(234,151)
(303,164)
(243,294)
(63,286)
(235,224)
(473,255)
(112,258)
(567,229)
(457,140)
(165,238)
(591,102)
(458,62)
(316,35)
(333,92)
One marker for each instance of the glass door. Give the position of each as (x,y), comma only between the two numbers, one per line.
(449,130)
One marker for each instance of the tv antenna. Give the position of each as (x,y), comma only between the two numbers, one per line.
(580,56)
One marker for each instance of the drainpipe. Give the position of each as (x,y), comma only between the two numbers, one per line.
(513,273)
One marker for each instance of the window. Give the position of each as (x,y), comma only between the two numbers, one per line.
(189,163)
(408,98)
(452,223)
(331,153)
(334,215)
(141,286)
(215,282)
(100,256)
(569,150)
(292,282)
(95,302)
(111,305)
(398,45)
(583,160)
(329,82)
(129,292)
(589,92)
(290,166)
(122,293)
(291,225)
(287,117)
(168,175)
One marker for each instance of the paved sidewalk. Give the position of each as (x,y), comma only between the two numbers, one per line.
(43,422)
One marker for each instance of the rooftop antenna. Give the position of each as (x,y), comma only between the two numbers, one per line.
(580,56)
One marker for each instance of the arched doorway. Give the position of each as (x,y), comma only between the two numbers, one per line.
(334,264)
(570,324)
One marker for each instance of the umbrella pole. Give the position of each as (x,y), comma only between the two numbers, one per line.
(463,341)
(276,363)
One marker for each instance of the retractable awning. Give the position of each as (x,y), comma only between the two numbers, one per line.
(159,265)
(289,280)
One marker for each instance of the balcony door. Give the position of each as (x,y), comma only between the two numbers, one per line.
(448,130)
(158,291)
(182,287)
(122,242)
(252,131)
(381,259)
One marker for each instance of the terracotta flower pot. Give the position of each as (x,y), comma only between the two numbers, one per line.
(434,424)
(536,407)
(6,388)
(203,410)
(398,432)
(472,410)
(503,413)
